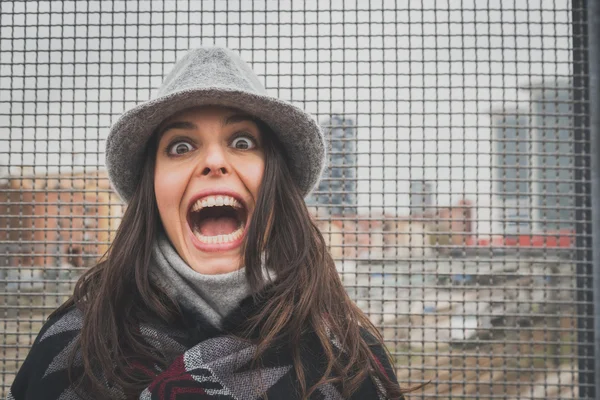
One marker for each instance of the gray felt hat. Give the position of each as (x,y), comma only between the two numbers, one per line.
(213,76)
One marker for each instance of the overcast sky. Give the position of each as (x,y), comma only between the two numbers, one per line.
(419,78)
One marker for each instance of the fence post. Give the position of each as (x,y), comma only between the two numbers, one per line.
(593,24)
(585,175)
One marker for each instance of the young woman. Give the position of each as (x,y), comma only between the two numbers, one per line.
(218,284)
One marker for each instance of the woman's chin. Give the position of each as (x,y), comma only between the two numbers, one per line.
(212,262)
(216,266)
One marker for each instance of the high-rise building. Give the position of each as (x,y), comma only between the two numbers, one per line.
(553,146)
(512,172)
(337,190)
(534,162)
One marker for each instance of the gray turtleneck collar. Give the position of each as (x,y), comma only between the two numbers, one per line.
(212,296)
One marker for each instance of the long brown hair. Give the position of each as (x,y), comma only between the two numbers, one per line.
(117,293)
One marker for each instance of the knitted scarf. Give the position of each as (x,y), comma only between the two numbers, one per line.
(211,296)
(204,360)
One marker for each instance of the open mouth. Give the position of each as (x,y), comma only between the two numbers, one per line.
(217,219)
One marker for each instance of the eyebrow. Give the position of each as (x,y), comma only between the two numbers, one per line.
(235,118)
(176,125)
(231,119)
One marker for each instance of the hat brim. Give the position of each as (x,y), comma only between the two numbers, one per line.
(297,130)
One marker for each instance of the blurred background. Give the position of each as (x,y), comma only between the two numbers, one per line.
(457,198)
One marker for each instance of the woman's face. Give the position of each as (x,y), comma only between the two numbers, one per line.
(209,167)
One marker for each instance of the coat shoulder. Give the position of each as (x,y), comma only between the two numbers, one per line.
(44,373)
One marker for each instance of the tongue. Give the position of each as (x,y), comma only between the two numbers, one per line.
(218,226)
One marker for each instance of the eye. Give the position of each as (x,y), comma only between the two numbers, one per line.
(243,142)
(179,147)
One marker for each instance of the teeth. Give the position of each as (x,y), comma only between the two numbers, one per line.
(220,238)
(212,201)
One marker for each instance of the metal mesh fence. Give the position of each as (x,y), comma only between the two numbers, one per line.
(456,201)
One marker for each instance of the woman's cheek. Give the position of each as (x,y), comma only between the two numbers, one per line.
(253,175)
(169,187)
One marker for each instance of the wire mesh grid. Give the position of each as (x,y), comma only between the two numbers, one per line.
(455,202)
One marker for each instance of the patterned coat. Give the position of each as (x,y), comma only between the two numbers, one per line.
(205,364)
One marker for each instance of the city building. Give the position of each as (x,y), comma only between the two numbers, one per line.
(512,172)
(422,197)
(50,220)
(336,193)
(533,164)
(553,146)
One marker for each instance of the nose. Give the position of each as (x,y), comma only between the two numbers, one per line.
(215,162)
